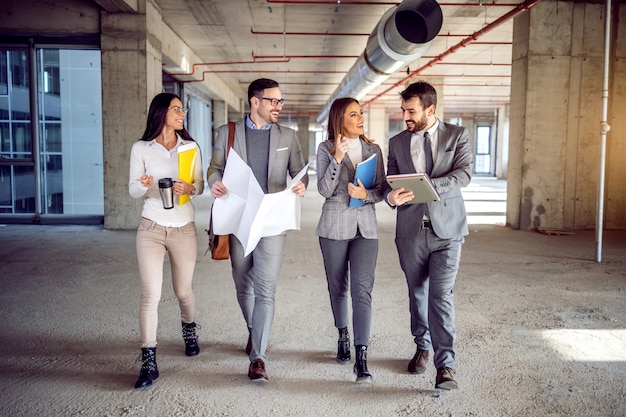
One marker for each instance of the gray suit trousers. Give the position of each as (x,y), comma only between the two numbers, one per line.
(255,279)
(350,266)
(430,265)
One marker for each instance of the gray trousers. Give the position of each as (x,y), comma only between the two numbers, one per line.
(430,265)
(350,265)
(255,279)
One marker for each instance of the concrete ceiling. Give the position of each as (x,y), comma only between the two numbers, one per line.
(309,46)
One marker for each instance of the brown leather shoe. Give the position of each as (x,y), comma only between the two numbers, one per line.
(445,378)
(256,372)
(417,365)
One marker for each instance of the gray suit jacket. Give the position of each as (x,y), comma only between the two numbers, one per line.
(338,221)
(452,170)
(285,155)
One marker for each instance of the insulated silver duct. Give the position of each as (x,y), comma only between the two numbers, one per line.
(402,35)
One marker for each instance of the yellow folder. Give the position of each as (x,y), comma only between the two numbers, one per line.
(186,166)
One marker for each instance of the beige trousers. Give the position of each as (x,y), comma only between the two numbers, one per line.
(181,244)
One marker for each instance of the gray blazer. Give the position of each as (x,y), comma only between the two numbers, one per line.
(285,155)
(337,220)
(452,170)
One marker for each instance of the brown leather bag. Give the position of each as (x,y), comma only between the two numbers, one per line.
(219,245)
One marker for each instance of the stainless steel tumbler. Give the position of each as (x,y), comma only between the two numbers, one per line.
(167,195)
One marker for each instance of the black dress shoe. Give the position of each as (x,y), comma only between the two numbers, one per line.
(417,365)
(256,372)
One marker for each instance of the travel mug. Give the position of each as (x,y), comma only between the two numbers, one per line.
(167,195)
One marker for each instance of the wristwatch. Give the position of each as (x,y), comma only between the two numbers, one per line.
(193,192)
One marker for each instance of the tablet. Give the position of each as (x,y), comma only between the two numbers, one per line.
(421,185)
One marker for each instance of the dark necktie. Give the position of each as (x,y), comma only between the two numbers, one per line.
(428,154)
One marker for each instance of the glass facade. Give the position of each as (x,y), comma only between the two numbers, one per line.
(69,153)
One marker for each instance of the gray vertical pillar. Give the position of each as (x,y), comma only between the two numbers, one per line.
(502,142)
(131,77)
(376,127)
(555,110)
(303,137)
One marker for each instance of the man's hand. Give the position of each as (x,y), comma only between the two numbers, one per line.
(218,189)
(399,197)
(299,188)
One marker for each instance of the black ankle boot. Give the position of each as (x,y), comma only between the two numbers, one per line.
(149,371)
(191,339)
(343,346)
(360,365)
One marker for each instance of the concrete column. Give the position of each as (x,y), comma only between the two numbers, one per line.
(502,143)
(303,137)
(556,92)
(131,77)
(220,116)
(377,127)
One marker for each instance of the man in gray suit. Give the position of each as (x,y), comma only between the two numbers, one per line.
(272,151)
(429,236)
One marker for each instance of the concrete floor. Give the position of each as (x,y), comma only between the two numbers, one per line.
(540,328)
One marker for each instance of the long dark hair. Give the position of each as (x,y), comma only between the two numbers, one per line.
(156,117)
(335,120)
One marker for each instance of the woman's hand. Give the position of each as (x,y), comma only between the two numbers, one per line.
(181,187)
(341,148)
(357,191)
(146,180)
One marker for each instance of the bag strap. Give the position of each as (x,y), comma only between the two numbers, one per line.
(231,137)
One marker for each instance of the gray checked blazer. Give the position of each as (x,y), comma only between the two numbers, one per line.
(338,221)
(285,155)
(452,170)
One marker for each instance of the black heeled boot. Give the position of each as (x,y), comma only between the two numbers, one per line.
(149,371)
(191,339)
(360,365)
(343,346)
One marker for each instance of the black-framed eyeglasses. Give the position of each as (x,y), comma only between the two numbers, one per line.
(273,101)
(181,110)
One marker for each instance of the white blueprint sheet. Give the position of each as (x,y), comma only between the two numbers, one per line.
(247,212)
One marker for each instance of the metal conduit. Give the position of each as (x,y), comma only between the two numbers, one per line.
(402,35)
(523,7)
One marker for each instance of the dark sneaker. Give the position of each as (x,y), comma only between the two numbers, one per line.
(445,378)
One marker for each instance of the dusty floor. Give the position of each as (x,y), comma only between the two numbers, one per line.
(541,330)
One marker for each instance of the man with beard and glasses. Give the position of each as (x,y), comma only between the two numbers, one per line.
(429,236)
(273,153)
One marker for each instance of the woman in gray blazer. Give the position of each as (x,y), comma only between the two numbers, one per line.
(348,236)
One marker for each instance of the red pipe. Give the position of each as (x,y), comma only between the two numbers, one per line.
(523,7)
(380,3)
(254,32)
(307,33)
(254,61)
(308,56)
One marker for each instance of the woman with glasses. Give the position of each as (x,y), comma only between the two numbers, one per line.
(164,228)
(348,233)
